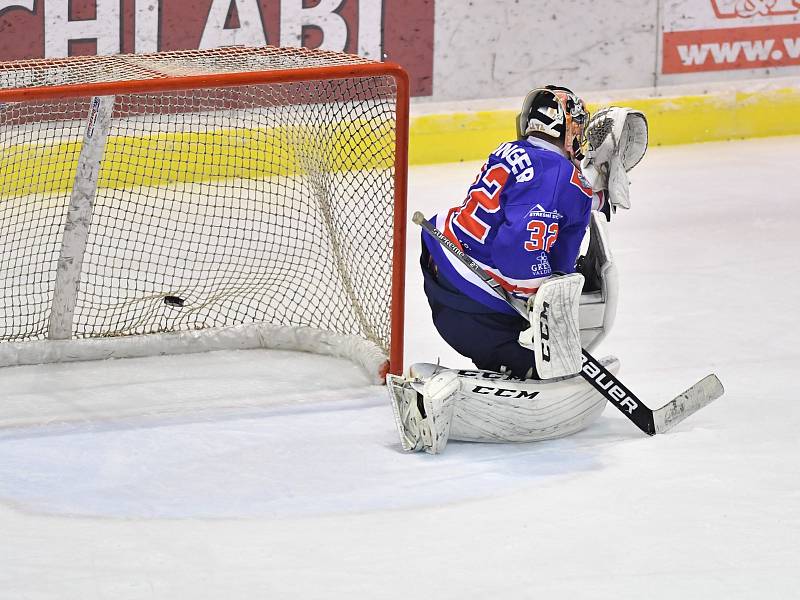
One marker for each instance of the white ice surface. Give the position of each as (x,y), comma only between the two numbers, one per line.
(242,475)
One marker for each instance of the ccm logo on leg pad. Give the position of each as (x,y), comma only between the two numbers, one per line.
(503,393)
(544,330)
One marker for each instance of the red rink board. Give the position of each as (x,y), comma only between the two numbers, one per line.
(406,30)
(725,49)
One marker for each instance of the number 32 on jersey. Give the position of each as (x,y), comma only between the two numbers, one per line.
(543,236)
(484,194)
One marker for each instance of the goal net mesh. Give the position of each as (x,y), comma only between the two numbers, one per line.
(217,206)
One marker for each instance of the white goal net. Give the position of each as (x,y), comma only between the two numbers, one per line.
(192,200)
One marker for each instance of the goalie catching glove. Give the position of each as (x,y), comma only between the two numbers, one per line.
(617,139)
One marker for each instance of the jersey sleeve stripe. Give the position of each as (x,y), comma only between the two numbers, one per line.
(524,287)
(532,282)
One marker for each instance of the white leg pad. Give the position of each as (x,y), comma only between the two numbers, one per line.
(423,409)
(495,407)
(439,394)
(407,416)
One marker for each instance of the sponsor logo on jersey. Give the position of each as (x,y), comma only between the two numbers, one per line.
(542,267)
(540,212)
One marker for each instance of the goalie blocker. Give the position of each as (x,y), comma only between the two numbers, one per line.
(554,335)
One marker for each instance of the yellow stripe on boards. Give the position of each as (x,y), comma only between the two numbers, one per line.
(454,137)
(189,157)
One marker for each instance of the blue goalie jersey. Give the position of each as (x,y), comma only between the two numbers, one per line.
(523,219)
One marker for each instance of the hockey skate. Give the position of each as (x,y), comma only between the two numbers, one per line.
(423,410)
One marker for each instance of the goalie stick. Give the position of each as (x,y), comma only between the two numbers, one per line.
(649,421)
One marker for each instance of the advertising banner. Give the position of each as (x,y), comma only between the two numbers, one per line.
(722,35)
(396,30)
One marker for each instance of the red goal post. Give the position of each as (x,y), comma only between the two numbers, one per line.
(254,193)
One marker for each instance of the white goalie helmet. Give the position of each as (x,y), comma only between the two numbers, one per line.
(556,112)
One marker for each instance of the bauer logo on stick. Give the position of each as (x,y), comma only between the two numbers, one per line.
(596,375)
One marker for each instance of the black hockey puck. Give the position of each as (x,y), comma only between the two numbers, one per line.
(174,301)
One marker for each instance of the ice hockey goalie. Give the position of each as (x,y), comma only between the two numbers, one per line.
(524,222)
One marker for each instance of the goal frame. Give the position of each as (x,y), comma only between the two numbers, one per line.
(157,81)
